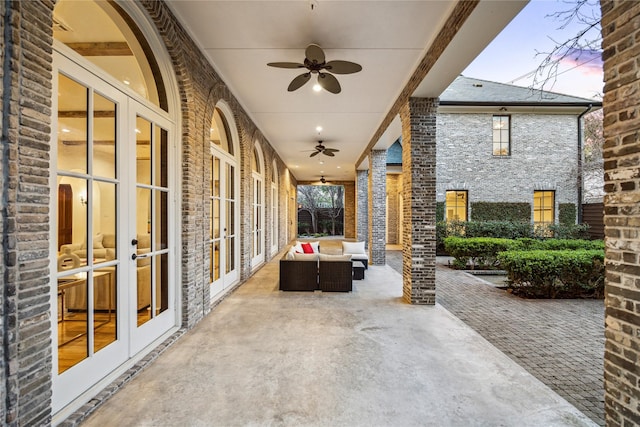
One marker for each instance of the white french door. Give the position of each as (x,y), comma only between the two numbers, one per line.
(150,237)
(223,242)
(257,238)
(115,182)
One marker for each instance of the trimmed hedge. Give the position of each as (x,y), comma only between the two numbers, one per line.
(480,252)
(498,211)
(555,274)
(567,213)
(556,244)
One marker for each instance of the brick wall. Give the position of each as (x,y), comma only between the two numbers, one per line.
(621,30)
(418,118)
(377,206)
(26,105)
(362,203)
(349,209)
(543,157)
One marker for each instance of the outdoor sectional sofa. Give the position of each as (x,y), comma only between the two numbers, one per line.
(310,272)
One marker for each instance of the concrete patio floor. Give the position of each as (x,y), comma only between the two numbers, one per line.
(366,358)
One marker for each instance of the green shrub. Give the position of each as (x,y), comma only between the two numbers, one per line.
(556,244)
(555,274)
(498,229)
(569,231)
(567,214)
(500,211)
(478,252)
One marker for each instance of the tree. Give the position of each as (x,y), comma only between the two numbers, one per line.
(335,193)
(309,199)
(581,49)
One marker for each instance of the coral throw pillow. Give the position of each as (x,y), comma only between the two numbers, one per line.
(306,247)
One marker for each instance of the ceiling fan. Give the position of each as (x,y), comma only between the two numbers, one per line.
(322,180)
(315,63)
(324,150)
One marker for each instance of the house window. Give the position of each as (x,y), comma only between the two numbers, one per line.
(456,205)
(543,208)
(501,135)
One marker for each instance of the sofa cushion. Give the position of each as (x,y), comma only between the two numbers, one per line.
(305,257)
(290,254)
(109,240)
(353,248)
(325,257)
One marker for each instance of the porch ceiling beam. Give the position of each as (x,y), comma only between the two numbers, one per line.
(101,48)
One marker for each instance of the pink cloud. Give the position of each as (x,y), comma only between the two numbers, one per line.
(588,60)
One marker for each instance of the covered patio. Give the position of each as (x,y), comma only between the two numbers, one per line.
(266,357)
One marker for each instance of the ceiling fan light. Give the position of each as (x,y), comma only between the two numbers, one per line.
(317,87)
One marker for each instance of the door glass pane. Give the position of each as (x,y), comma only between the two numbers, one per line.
(72,320)
(73,212)
(214,268)
(162,283)
(143,214)
(215,189)
(216,218)
(143,151)
(160,156)
(104,136)
(230,182)
(230,218)
(143,280)
(230,248)
(104,307)
(73,110)
(161,226)
(104,221)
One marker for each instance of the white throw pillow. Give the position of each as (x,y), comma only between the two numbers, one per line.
(325,257)
(305,257)
(353,248)
(314,245)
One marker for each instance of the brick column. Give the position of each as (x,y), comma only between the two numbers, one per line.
(362,208)
(377,206)
(620,45)
(418,118)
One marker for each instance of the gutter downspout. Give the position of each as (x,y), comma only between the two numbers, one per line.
(580,177)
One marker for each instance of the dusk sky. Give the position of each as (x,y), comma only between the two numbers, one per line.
(511,57)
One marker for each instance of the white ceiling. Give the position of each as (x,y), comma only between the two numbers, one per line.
(388,38)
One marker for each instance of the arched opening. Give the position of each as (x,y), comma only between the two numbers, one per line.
(114,289)
(223,203)
(274,208)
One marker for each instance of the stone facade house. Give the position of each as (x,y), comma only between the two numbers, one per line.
(503,152)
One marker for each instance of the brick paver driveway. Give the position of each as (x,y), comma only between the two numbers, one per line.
(560,342)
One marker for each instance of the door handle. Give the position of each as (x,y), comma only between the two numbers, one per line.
(136,256)
(134,242)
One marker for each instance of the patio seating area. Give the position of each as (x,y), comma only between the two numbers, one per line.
(365,358)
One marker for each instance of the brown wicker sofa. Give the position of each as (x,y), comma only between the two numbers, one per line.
(310,272)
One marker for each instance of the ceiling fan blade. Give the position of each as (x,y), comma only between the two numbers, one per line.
(329,82)
(299,81)
(343,67)
(332,150)
(328,153)
(314,53)
(285,64)
(315,154)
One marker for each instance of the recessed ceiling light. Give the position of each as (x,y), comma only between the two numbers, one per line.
(318,129)
(65,130)
(321,162)
(127,82)
(138,130)
(339,167)
(317,87)
(321,171)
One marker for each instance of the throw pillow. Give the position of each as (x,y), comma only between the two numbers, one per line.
(353,248)
(314,245)
(307,249)
(298,248)
(305,257)
(325,257)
